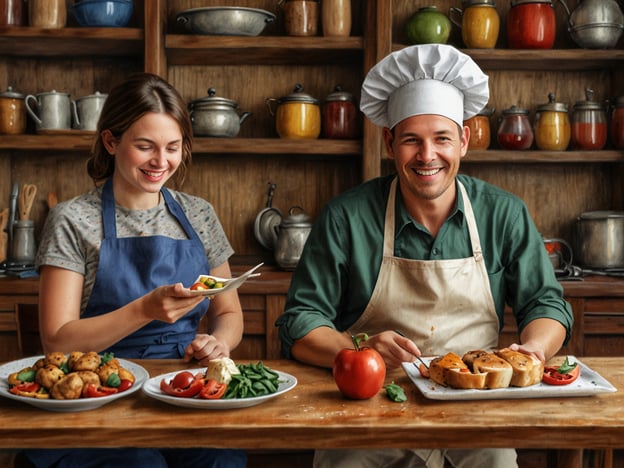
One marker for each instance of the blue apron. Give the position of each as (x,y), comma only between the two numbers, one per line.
(130,267)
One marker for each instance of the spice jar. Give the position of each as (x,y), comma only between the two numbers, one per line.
(552,125)
(298,115)
(479,23)
(480,134)
(336,18)
(12,112)
(589,124)
(300,17)
(515,132)
(12,12)
(531,24)
(340,116)
(617,123)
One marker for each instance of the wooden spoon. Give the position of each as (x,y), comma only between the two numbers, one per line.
(4,218)
(26,198)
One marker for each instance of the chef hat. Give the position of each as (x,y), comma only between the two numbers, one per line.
(424,79)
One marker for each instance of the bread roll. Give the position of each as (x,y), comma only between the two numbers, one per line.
(527,370)
(499,371)
(464,379)
(438,367)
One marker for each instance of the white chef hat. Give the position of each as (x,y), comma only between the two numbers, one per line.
(424,79)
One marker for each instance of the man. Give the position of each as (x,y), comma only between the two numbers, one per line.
(425,252)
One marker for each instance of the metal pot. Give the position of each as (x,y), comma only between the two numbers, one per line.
(216,116)
(595,24)
(600,239)
(292,235)
(225,21)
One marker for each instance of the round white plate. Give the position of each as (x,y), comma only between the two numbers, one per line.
(152,389)
(81,404)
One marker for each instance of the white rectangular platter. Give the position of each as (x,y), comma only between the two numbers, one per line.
(589,383)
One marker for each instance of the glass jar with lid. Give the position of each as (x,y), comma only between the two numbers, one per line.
(515,132)
(589,124)
(479,125)
(552,125)
(617,123)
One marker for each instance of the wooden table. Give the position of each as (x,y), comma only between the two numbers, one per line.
(315,415)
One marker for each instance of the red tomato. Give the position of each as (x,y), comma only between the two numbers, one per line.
(198,286)
(184,384)
(212,390)
(93,391)
(359,373)
(424,370)
(125,385)
(554,376)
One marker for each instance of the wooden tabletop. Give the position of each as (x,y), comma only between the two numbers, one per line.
(315,415)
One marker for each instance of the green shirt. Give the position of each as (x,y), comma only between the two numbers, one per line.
(338,269)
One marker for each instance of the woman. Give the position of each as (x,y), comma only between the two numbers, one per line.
(115,263)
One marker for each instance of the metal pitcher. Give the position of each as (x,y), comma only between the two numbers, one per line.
(292,234)
(50,111)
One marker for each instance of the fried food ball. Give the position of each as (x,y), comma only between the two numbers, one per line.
(68,388)
(73,357)
(39,363)
(88,377)
(125,374)
(106,370)
(88,361)
(48,376)
(56,358)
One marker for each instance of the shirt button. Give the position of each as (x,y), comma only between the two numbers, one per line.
(435,251)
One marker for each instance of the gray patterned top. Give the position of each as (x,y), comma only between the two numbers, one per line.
(73,232)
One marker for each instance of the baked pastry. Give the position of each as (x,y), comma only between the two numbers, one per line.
(499,371)
(527,370)
(439,366)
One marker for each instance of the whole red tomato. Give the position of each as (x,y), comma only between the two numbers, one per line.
(359,373)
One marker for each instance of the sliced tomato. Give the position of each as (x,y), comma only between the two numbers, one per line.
(95,391)
(29,389)
(424,371)
(182,386)
(559,376)
(125,385)
(212,390)
(198,286)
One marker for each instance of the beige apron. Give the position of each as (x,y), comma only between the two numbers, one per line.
(442,305)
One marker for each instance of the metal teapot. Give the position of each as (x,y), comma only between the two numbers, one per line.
(595,24)
(215,116)
(292,234)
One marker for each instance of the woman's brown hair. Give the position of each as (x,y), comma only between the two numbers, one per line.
(128,102)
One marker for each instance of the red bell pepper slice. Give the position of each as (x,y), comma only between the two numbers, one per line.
(183,392)
(96,391)
(212,390)
(29,389)
(125,385)
(562,375)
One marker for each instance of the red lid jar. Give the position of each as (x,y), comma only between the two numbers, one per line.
(531,24)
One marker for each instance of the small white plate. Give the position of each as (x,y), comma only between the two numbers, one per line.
(152,389)
(229,283)
(588,383)
(81,404)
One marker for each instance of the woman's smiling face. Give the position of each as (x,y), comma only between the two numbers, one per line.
(146,156)
(427,150)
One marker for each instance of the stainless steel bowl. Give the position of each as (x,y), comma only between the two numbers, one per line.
(597,35)
(225,21)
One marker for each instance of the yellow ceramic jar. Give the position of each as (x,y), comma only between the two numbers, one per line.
(552,126)
(298,115)
(480,23)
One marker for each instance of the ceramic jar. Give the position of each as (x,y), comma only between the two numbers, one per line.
(12,12)
(336,18)
(479,23)
(515,132)
(617,123)
(531,24)
(552,125)
(589,124)
(480,132)
(428,26)
(340,116)
(12,112)
(50,14)
(298,115)
(301,17)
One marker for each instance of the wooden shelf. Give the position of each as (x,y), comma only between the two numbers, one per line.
(557,59)
(73,42)
(77,142)
(529,157)
(267,50)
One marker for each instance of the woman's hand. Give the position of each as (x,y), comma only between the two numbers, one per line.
(169,303)
(205,348)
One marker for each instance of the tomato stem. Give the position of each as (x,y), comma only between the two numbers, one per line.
(357,339)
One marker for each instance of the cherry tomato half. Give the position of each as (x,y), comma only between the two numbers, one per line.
(198,287)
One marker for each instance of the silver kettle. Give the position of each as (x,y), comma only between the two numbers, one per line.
(595,24)
(292,234)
